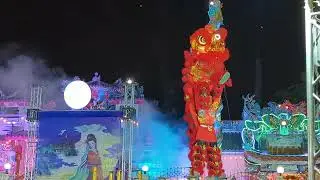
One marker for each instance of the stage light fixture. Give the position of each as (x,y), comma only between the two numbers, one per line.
(280,169)
(129,81)
(145,168)
(7,167)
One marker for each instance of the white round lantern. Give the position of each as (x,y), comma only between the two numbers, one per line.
(77,94)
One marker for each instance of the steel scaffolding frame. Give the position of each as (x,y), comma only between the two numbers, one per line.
(127,146)
(32,117)
(128,123)
(312,33)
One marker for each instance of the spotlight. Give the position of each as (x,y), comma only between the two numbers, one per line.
(7,167)
(145,169)
(280,170)
(129,81)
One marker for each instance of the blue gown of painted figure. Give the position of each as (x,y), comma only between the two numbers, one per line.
(90,162)
(82,172)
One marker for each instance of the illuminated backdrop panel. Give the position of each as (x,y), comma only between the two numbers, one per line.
(78,145)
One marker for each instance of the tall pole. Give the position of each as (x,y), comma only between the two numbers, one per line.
(312,78)
(259,42)
(258,80)
(130,150)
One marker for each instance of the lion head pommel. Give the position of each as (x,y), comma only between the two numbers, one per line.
(206,40)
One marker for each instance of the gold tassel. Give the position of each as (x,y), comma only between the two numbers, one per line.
(111,175)
(119,175)
(94,174)
(139,175)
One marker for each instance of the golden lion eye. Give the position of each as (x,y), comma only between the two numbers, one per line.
(201,40)
(217,37)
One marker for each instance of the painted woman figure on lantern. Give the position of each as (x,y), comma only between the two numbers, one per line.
(90,166)
(205,77)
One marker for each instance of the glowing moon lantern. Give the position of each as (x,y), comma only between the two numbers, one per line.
(77,94)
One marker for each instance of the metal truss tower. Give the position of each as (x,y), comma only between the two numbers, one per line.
(32,117)
(128,123)
(312,33)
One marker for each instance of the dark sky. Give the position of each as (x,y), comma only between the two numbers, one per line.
(118,38)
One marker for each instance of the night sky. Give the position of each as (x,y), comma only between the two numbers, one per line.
(146,40)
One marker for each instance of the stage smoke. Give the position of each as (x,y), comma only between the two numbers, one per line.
(18,72)
(161,141)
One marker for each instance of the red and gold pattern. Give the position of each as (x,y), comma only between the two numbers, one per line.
(205,77)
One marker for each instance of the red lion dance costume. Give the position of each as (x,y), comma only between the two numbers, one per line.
(205,77)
